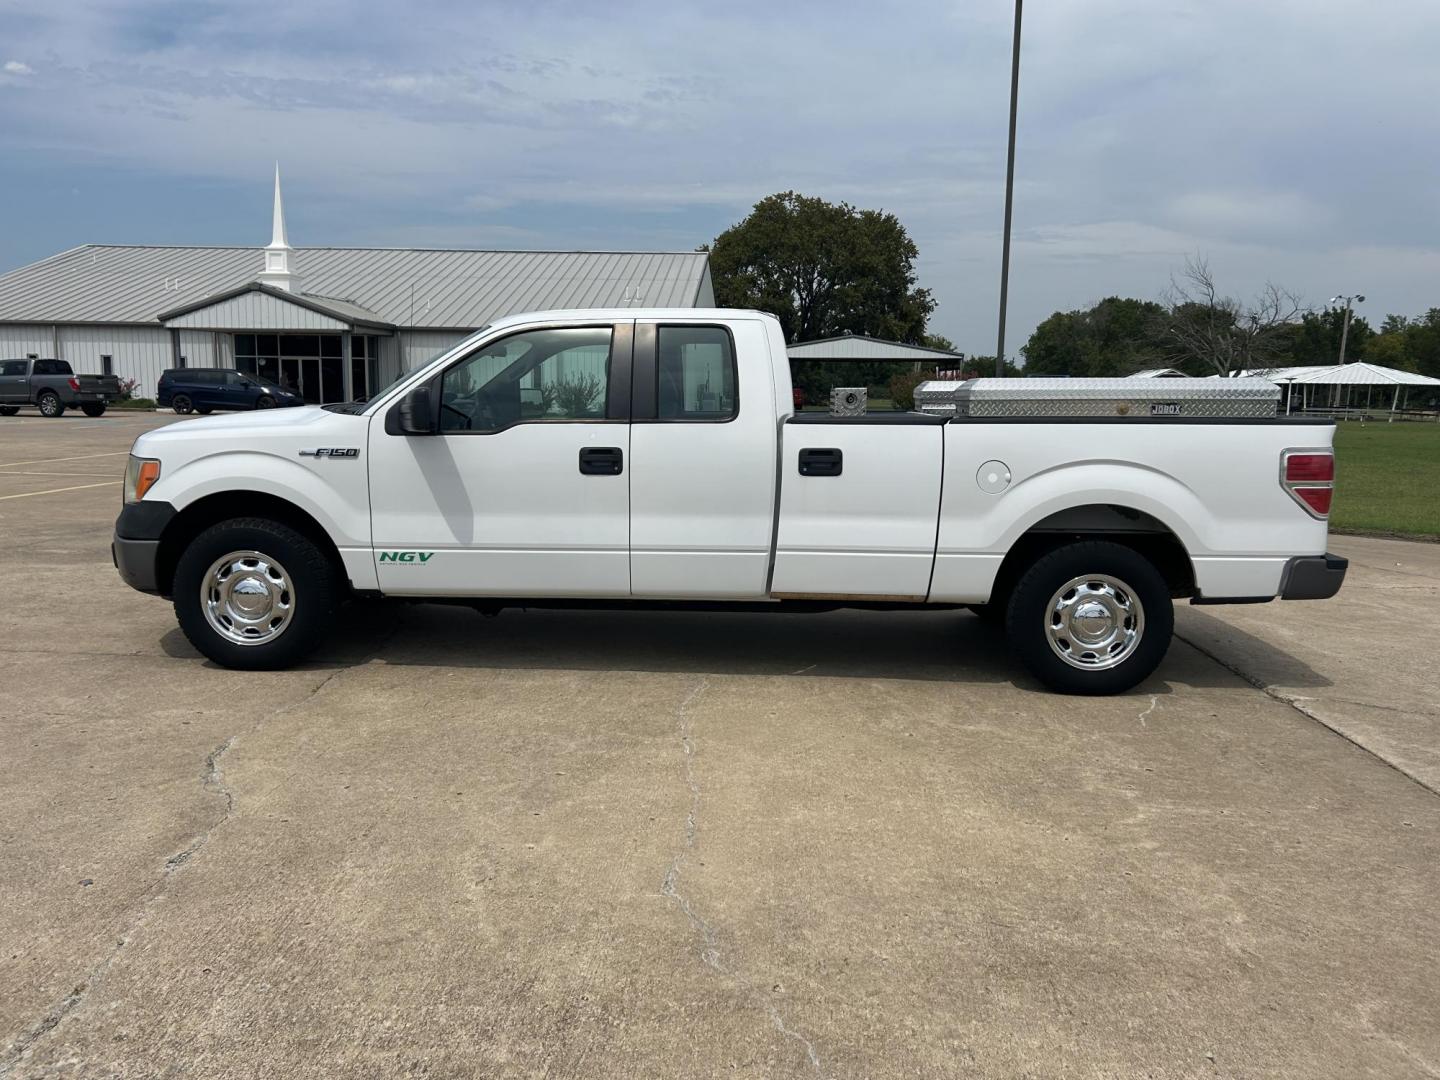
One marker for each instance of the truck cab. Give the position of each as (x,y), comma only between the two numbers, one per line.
(635,457)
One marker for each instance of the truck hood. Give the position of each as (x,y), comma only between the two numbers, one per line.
(283,431)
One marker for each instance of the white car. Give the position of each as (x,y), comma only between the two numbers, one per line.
(654,457)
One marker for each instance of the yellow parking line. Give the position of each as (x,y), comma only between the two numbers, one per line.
(52,460)
(57,491)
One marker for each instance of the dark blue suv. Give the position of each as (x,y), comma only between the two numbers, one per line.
(202,390)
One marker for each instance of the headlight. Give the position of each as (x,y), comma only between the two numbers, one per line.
(140,477)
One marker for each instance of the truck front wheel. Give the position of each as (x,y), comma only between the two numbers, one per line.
(255,594)
(1091,618)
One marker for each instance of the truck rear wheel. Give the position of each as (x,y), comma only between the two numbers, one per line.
(254,594)
(93,408)
(49,404)
(1091,618)
(9,410)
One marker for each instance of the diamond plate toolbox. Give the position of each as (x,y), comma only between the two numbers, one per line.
(849,400)
(1099,397)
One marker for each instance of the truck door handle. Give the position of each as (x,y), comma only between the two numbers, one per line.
(821,461)
(601,461)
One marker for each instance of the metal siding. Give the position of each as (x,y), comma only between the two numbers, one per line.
(137,352)
(16,340)
(257,311)
(419,347)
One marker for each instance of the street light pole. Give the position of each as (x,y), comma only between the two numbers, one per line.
(1009,193)
(1345,327)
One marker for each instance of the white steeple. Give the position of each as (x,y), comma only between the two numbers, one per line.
(277,272)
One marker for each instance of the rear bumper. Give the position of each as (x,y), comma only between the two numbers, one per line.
(1313,577)
(135,547)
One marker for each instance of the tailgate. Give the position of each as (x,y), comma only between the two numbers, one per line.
(108,385)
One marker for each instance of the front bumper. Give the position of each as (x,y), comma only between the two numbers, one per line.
(135,547)
(1313,577)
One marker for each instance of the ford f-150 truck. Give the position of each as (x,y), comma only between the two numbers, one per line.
(654,457)
(52,388)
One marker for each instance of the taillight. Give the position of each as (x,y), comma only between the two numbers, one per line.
(1309,477)
(74,384)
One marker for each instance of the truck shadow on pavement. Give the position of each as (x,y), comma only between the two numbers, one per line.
(931,646)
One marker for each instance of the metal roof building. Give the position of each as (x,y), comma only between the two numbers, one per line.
(335,322)
(859,347)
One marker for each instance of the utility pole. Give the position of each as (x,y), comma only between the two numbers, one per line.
(1009,193)
(1345,327)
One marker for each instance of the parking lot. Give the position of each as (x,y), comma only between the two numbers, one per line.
(690,845)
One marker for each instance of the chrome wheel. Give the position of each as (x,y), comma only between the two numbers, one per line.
(247,598)
(50,405)
(1094,622)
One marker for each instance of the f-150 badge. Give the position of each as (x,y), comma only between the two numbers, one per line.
(332,452)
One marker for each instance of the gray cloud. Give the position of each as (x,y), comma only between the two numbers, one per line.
(1293,141)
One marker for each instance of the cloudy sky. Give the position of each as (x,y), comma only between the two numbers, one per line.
(1288,140)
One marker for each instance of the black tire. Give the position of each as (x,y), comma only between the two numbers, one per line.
(95,408)
(1030,616)
(9,410)
(49,404)
(265,401)
(313,585)
(203,410)
(182,404)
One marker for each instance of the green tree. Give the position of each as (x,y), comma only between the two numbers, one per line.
(1118,336)
(1315,339)
(822,269)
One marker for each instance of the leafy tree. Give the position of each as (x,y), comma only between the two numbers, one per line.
(939,341)
(822,269)
(1315,339)
(1409,344)
(1118,336)
(1388,350)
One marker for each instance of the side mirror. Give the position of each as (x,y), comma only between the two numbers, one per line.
(414,415)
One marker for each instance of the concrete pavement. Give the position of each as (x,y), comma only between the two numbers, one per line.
(590,844)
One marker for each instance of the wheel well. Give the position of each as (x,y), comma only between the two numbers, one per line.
(1136,529)
(202,513)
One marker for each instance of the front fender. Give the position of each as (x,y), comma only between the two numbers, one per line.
(338,499)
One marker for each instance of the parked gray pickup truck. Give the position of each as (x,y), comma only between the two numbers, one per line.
(52,388)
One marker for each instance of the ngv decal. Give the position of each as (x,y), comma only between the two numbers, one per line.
(421,557)
(332,452)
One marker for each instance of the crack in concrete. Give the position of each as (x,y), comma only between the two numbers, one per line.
(1296,702)
(670,887)
(212,779)
(1154,701)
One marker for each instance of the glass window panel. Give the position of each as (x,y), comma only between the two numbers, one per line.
(244,344)
(330,345)
(696,373)
(558,374)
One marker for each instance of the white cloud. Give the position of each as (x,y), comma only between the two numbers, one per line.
(18,67)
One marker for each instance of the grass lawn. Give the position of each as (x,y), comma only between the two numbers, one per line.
(1387,478)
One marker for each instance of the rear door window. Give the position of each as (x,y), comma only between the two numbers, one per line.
(696,372)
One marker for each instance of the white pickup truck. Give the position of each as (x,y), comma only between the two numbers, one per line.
(654,457)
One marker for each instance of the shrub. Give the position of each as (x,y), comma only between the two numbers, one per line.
(902,389)
(578,396)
